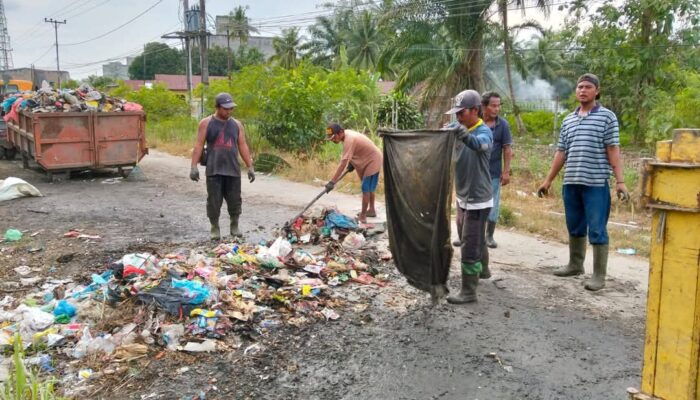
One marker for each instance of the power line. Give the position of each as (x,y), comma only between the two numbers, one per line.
(117,28)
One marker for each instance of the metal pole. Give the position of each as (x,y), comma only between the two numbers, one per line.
(143,69)
(55,29)
(203,49)
(228,55)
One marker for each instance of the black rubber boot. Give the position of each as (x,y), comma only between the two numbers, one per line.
(234,226)
(485,271)
(490,229)
(215,232)
(577,254)
(468,292)
(600,267)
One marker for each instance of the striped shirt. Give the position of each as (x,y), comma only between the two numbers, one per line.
(584,140)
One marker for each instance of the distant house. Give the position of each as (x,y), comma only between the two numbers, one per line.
(385,87)
(176,83)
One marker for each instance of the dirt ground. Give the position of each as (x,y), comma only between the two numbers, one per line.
(530,336)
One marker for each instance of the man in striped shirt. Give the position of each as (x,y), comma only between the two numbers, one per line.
(589,145)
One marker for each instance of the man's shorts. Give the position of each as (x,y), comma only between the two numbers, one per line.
(369,183)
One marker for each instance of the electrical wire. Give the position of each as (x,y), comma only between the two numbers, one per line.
(117,28)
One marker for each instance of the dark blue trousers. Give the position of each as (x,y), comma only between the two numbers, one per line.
(587,209)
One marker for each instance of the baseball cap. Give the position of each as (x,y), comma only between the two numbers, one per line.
(464,100)
(588,77)
(224,100)
(332,130)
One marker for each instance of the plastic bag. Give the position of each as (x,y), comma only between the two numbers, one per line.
(335,219)
(171,335)
(64,310)
(354,241)
(280,248)
(13,235)
(35,319)
(195,291)
(140,263)
(13,188)
(129,106)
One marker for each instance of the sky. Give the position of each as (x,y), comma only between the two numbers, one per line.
(120,28)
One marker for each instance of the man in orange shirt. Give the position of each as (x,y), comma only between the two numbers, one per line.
(362,155)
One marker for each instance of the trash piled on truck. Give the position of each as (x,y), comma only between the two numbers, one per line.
(192,300)
(46,99)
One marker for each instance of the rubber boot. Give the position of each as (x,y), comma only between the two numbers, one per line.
(490,228)
(600,267)
(234,226)
(577,254)
(485,271)
(215,232)
(469,283)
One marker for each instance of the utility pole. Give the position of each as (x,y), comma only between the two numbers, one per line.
(55,29)
(203,50)
(143,68)
(228,52)
(188,49)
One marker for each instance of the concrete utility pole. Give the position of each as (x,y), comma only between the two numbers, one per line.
(55,29)
(188,49)
(203,50)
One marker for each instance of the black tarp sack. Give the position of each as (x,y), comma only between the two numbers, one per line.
(418,190)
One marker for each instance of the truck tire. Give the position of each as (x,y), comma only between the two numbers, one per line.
(10,153)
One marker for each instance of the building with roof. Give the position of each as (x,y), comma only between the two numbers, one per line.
(175,83)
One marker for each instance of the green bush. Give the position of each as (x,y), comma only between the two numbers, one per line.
(291,107)
(158,102)
(409,116)
(539,124)
(180,129)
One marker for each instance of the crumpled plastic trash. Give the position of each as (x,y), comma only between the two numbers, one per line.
(335,219)
(171,335)
(64,311)
(130,352)
(140,263)
(129,106)
(280,248)
(34,318)
(13,235)
(206,346)
(354,241)
(195,291)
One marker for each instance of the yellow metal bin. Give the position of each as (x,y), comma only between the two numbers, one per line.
(671,188)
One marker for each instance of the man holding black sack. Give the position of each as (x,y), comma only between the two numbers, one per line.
(225,139)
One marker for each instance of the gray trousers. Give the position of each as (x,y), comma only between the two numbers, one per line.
(471,228)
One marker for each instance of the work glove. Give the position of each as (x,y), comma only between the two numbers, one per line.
(622,193)
(251,174)
(194,174)
(330,186)
(350,167)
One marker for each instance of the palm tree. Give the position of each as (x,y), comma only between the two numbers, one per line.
(439,46)
(508,48)
(542,60)
(364,41)
(326,40)
(239,26)
(287,48)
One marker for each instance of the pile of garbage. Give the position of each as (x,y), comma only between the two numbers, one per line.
(190,299)
(49,100)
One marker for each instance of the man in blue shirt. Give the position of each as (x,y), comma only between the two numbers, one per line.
(589,145)
(473,186)
(501,154)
